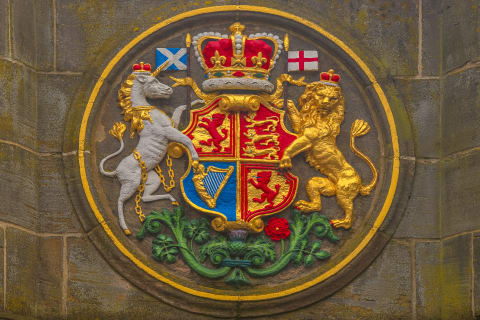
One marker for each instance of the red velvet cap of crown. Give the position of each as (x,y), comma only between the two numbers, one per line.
(142,67)
(330,77)
(224,47)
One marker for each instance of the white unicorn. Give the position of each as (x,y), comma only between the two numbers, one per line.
(155,129)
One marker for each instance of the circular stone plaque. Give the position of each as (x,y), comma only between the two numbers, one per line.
(239,158)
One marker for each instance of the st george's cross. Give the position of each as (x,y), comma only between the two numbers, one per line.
(302,60)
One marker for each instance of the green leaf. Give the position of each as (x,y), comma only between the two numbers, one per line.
(167,216)
(173,250)
(198,230)
(308,260)
(191,228)
(202,253)
(163,253)
(332,237)
(270,253)
(204,223)
(320,231)
(162,240)
(298,258)
(202,237)
(178,211)
(299,223)
(316,245)
(261,246)
(163,249)
(170,258)
(156,250)
(322,254)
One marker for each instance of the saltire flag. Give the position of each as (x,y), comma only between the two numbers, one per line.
(303,60)
(176,57)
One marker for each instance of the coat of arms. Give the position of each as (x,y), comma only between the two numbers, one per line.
(239,152)
(234,159)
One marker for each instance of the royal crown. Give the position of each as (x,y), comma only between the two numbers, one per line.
(142,67)
(329,78)
(237,61)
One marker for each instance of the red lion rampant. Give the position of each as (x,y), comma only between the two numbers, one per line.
(263,179)
(212,127)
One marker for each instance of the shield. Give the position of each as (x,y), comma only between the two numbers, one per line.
(237,176)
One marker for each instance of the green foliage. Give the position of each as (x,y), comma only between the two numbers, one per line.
(257,255)
(302,225)
(216,249)
(237,278)
(260,249)
(308,260)
(163,249)
(315,252)
(197,230)
(321,254)
(155,221)
(297,260)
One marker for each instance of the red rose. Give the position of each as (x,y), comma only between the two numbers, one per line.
(277,229)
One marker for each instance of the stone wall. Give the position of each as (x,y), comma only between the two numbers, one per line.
(428,51)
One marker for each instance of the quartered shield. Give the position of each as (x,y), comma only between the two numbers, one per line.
(237,176)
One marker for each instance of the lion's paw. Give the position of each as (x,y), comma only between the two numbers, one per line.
(285,163)
(342,223)
(306,206)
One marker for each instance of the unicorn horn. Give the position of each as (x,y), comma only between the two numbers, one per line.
(159,69)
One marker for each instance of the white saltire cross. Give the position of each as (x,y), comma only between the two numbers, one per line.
(176,57)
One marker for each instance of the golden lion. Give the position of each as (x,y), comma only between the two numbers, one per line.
(318,125)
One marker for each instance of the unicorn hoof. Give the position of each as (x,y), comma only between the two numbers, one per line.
(127,232)
(175,203)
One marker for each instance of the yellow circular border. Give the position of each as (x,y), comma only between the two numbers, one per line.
(378,222)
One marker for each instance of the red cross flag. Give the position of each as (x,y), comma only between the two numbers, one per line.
(302,60)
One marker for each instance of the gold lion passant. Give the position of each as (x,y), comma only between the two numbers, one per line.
(318,124)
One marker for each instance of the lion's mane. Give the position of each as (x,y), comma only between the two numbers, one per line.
(309,102)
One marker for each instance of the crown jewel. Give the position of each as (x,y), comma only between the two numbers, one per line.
(236,61)
(329,78)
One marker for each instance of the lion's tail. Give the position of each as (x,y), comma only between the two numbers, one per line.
(117,131)
(360,128)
